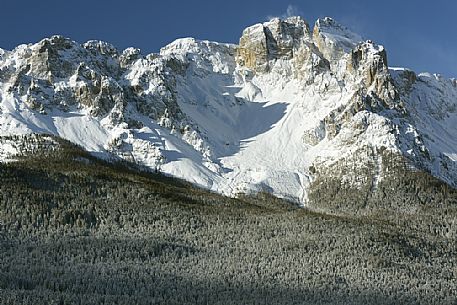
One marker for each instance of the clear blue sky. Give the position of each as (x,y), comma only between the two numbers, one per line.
(420,34)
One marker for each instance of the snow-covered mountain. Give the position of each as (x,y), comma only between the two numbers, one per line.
(269,114)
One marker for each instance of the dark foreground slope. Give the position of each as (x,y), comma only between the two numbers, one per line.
(75,230)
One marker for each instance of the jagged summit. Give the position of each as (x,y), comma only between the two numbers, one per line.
(329,29)
(274,113)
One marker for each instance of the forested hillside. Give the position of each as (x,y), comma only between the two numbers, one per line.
(77,230)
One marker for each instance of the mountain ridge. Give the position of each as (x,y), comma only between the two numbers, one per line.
(259,116)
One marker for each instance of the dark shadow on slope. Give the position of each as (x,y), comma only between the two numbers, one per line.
(226,117)
(173,155)
(255,118)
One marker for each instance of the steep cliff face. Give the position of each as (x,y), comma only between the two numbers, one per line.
(273,40)
(273,113)
(263,45)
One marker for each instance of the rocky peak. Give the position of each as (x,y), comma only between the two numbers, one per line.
(129,56)
(45,60)
(54,43)
(206,55)
(101,47)
(285,36)
(327,47)
(276,39)
(333,39)
(369,63)
(367,60)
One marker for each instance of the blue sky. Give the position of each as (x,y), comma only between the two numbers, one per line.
(420,35)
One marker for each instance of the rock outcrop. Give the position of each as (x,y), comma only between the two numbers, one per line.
(262,44)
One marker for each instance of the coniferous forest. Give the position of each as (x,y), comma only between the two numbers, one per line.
(78,230)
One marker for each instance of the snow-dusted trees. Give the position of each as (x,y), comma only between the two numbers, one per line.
(89,233)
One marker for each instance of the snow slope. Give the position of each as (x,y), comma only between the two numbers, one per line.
(258,116)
